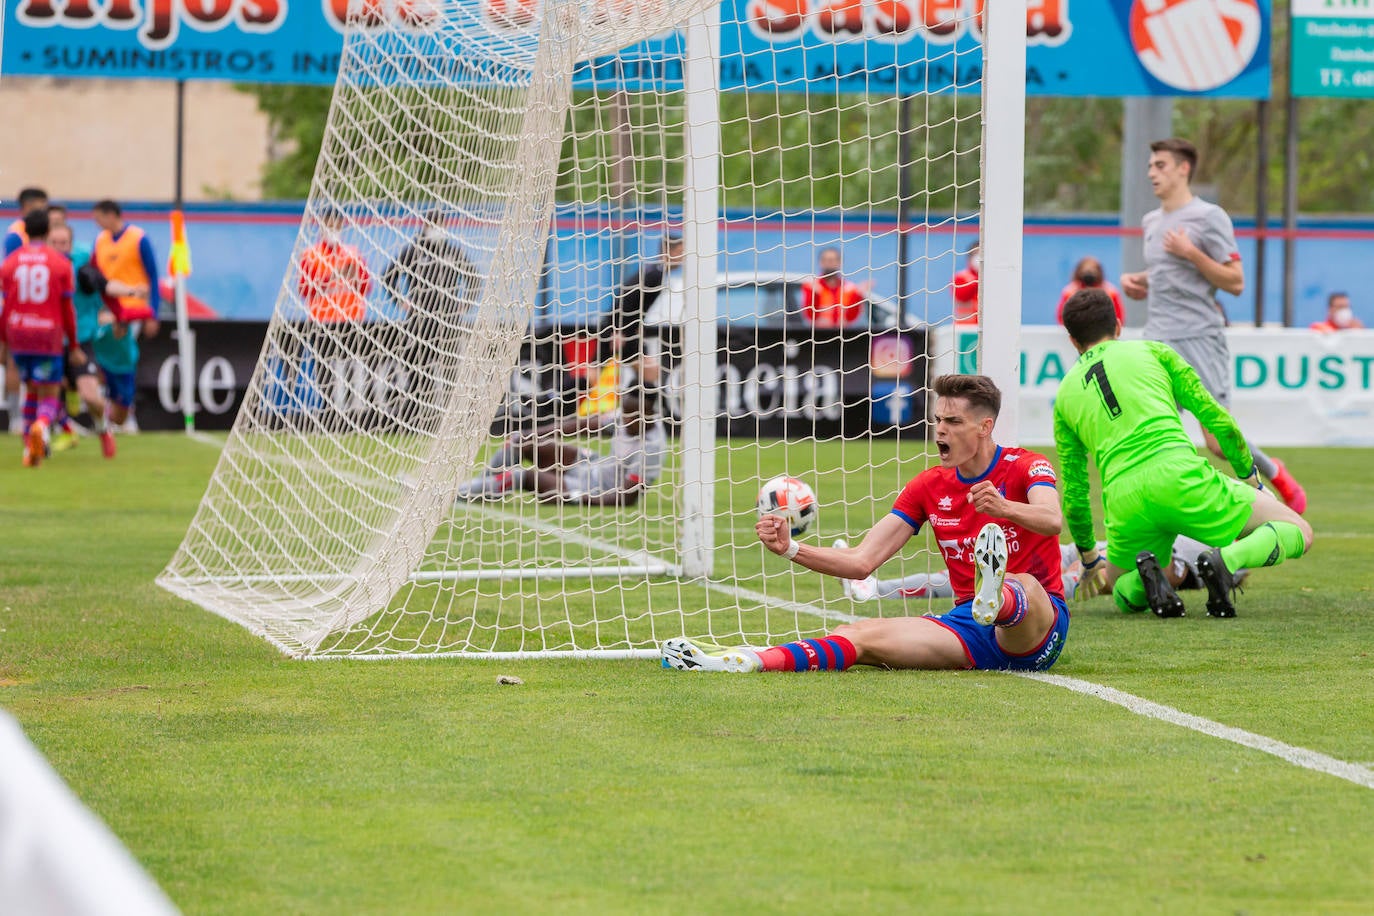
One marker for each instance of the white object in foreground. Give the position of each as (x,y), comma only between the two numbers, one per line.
(56,857)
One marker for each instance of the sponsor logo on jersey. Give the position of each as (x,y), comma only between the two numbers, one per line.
(954,549)
(946,504)
(1041,468)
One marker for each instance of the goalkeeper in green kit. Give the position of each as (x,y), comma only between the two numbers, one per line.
(1120,404)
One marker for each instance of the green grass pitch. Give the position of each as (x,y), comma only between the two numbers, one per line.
(248,783)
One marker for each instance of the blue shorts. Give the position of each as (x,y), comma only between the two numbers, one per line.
(121,387)
(43,369)
(980,642)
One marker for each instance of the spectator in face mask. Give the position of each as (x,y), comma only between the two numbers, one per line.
(1087,274)
(1339,316)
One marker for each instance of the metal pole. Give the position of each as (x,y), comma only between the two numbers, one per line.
(1144,120)
(1290,186)
(1290,209)
(180,142)
(186,343)
(1261,206)
(904,184)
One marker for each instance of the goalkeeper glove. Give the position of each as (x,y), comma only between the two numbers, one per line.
(1254,479)
(1094,580)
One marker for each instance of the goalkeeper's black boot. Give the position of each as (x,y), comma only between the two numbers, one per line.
(1164,601)
(1221,584)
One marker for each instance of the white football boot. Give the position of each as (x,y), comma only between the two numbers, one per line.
(990,555)
(684,655)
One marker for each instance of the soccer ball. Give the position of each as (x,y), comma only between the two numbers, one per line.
(792,499)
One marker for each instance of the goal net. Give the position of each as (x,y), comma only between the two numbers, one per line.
(551,321)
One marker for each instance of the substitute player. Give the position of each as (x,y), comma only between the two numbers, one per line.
(123,253)
(115,345)
(88,302)
(1118,403)
(990,507)
(38,324)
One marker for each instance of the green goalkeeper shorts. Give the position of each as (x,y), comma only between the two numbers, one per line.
(1179,493)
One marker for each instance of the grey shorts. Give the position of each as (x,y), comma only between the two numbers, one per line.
(1210,357)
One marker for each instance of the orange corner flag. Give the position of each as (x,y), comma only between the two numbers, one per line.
(179,261)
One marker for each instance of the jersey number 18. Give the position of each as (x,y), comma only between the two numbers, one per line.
(34,281)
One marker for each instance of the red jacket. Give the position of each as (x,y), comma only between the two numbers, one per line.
(827,306)
(966,296)
(334,282)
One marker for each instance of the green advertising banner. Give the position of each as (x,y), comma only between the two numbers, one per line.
(1333,48)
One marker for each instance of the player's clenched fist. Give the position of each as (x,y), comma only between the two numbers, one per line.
(772,531)
(986,499)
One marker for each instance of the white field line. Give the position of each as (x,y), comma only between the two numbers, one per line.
(1298,756)
(554,530)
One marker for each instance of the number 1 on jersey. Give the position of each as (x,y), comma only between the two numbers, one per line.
(1098,373)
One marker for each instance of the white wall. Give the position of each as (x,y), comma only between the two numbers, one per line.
(88,139)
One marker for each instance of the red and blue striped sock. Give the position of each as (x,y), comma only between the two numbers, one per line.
(833,653)
(1013,609)
(30,410)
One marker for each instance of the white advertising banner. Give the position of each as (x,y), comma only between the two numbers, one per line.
(1288,386)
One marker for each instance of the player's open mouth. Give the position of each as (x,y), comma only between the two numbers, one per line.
(943,448)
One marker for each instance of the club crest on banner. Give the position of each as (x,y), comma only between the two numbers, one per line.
(1196,45)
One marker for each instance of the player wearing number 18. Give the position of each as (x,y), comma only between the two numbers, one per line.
(1120,403)
(37,325)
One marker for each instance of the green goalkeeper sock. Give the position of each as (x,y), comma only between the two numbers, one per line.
(1129,593)
(1268,545)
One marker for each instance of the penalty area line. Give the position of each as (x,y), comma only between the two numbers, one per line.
(1298,756)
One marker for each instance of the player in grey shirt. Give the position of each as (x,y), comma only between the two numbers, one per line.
(1190,253)
(564,470)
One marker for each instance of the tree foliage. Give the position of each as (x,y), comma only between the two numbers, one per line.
(296,117)
(788,153)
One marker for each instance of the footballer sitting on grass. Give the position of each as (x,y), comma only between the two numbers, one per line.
(992,508)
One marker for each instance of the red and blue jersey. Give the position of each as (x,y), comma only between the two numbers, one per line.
(940,496)
(36,283)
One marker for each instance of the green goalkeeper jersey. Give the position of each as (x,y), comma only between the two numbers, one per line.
(1120,403)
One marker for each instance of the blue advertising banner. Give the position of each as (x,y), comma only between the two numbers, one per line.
(1075,47)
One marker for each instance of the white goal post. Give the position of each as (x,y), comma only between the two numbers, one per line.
(488,252)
